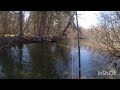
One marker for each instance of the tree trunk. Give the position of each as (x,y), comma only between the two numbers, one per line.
(21,35)
(5,22)
(42,26)
(67,26)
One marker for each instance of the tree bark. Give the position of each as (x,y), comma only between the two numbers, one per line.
(21,35)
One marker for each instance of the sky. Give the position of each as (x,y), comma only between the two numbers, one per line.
(87,18)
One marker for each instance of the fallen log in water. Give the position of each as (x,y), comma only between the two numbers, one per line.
(10,41)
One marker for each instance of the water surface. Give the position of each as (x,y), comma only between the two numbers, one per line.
(51,61)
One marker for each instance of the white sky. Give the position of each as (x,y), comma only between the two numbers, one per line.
(87,18)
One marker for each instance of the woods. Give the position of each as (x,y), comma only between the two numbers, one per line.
(109,32)
(106,35)
(37,26)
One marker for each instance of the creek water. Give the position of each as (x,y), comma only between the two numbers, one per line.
(52,61)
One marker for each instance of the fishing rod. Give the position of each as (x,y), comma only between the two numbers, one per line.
(78,45)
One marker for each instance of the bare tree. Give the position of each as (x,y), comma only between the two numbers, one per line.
(21,35)
(108,33)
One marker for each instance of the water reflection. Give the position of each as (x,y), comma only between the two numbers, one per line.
(92,61)
(42,61)
(50,61)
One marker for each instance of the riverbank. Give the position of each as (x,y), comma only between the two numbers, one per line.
(11,41)
(90,43)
